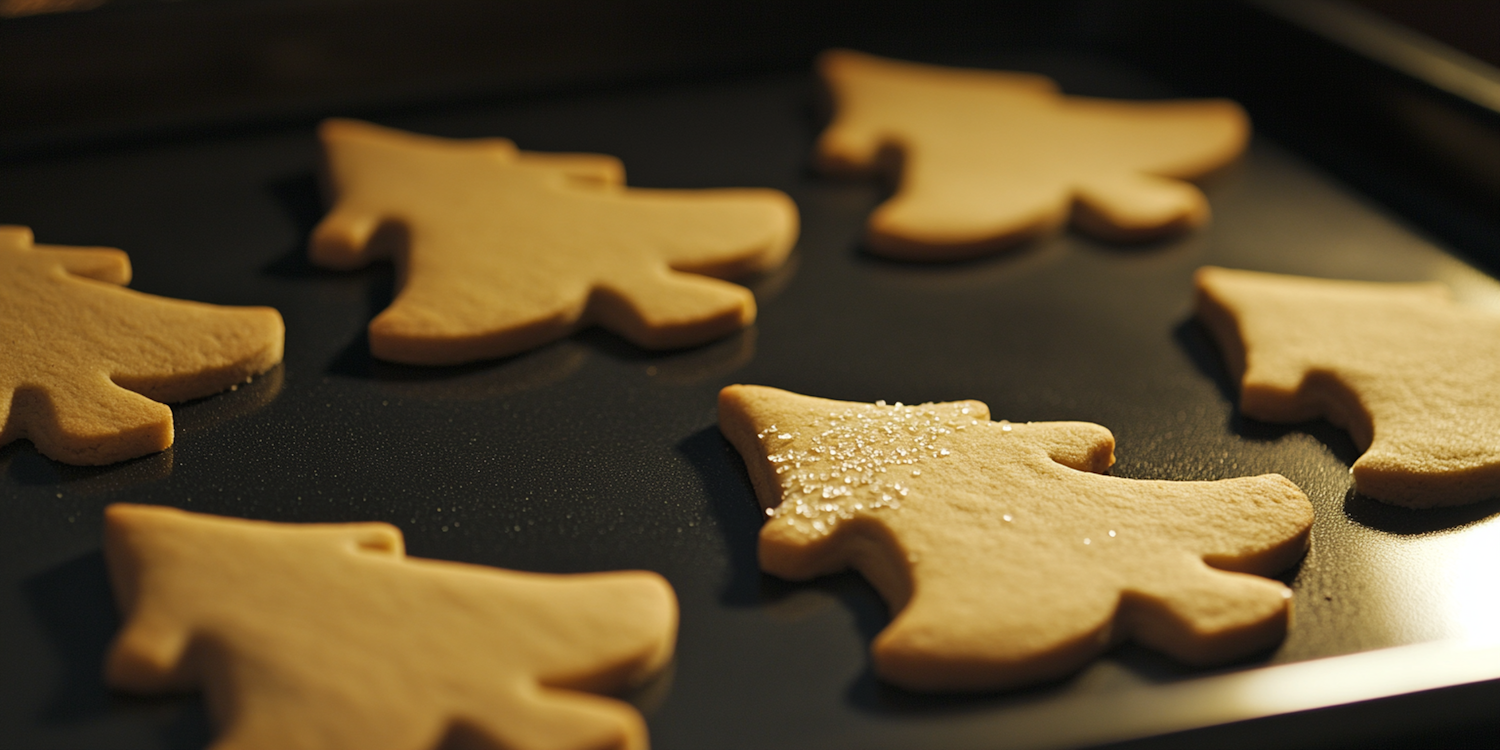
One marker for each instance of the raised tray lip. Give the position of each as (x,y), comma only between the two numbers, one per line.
(1395,46)
(1282,690)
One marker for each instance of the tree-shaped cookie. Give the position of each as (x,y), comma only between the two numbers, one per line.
(327,637)
(86,361)
(499,250)
(985,159)
(1005,556)
(1413,376)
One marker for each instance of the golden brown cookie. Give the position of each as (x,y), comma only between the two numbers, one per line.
(327,637)
(1005,556)
(87,361)
(987,158)
(1413,376)
(500,250)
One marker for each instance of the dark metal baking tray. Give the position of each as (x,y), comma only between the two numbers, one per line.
(590,454)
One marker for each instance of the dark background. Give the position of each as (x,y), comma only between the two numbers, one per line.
(183,133)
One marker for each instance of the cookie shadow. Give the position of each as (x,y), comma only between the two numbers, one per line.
(868,693)
(1020,254)
(1120,669)
(737,512)
(989,273)
(27,467)
(687,366)
(75,607)
(356,361)
(768,285)
(1197,343)
(302,202)
(735,509)
(1010,254)
(21,461)
(544,364)
(474,381)
(1394,519)
(1194,340)
(733,503)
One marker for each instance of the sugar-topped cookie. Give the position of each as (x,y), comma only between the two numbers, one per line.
(1005,556)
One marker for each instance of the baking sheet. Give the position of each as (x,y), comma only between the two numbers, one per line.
(590,454)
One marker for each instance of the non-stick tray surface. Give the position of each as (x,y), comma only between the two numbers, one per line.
(590,454)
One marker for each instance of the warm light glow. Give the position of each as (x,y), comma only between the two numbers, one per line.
(16,8)
(1470,287)
(1471,588)
(1358,677)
